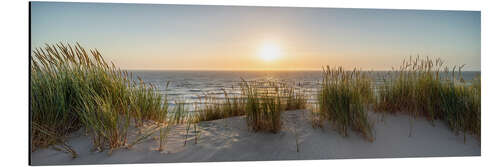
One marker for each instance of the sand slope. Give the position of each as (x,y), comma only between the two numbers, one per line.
(230,140)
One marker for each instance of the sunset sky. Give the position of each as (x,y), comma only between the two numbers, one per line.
(182,37)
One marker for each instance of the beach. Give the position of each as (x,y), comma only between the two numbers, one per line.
(161,83)
(229,139)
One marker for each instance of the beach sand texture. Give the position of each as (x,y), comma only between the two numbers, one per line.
(230,140)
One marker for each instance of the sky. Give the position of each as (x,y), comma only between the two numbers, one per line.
(193,37)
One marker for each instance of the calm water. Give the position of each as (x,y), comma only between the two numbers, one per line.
(190,85)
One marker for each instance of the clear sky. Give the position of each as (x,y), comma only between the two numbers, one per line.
(161,36)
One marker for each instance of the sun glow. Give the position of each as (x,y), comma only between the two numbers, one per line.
(269,52)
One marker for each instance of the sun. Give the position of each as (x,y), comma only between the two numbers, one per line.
(269,52)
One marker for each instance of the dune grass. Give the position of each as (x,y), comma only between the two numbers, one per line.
(343,99)
(263,108)
(210,108)
(424,87)
(71,88)
(266,100)
(147,103)
(294,98)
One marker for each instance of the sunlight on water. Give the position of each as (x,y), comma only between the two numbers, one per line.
(189,86)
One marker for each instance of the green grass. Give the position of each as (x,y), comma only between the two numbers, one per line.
(425,87)
(108,127)
(343,100)
(71,88)
(295,99)
(147,103)
(266,100)
(209,108)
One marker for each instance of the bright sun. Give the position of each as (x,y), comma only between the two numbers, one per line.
(269,52)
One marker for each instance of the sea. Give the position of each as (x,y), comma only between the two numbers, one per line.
(189,86)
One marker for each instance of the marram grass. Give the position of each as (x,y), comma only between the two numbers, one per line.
(266,100)
(71,88)
(424,87)
(210,108)
(343,99)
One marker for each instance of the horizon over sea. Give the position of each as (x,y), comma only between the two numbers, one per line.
(188,86)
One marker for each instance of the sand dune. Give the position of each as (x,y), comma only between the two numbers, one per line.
(230,140)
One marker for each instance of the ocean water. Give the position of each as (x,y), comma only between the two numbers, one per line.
(189,86)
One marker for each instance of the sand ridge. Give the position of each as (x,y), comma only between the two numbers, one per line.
(230,140)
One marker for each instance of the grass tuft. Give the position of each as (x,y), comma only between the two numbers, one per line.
(210,108)
(343,100)
(425,87)
(266,100)
(72,88)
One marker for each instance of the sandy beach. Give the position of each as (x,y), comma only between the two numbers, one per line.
(163,83)
(230,140)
